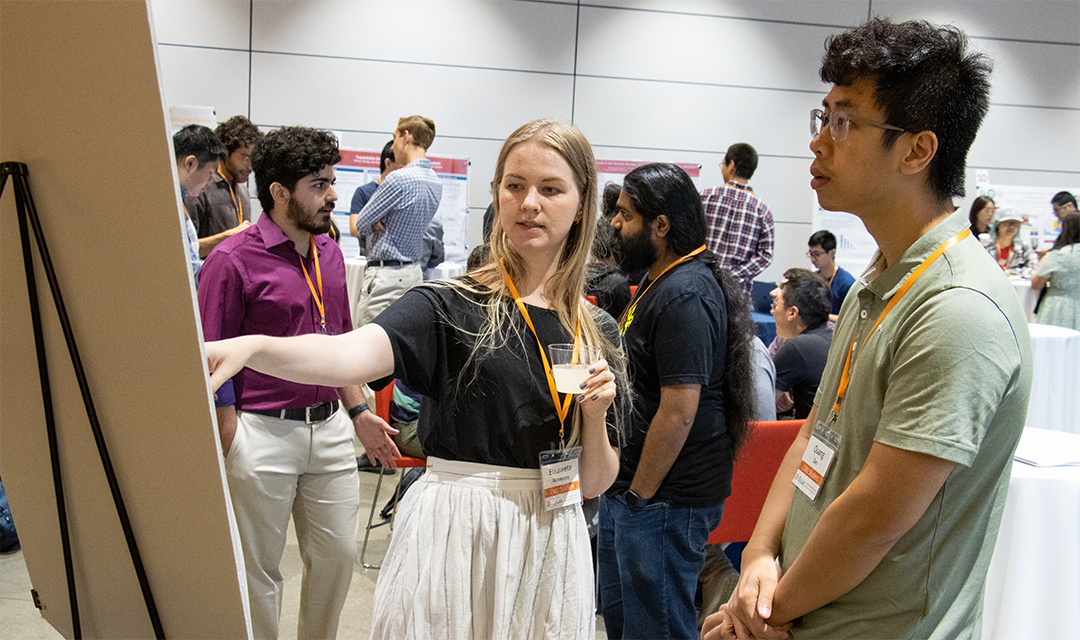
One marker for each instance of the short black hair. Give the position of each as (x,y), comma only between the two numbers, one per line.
(609,201)
(745,158)
(1062,198)
(824,239)
(809,292)
(287,155)
(925,79)
(386,156)
(199,141)
(661,188)
(237,132)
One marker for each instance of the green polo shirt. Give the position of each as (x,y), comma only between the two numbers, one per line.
(946,373)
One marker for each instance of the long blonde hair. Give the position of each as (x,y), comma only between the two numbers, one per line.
(565,289)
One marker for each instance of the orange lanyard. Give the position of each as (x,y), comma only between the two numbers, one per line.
(628,315)
(564,408)
(318,297)
(235,204)
(185,210)
(845,376)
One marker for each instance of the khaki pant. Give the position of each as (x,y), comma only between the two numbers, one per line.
(382,286)
(277,468)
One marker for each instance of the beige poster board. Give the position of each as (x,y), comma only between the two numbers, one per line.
(81,105)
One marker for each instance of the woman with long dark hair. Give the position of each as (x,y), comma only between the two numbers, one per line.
(1059,273)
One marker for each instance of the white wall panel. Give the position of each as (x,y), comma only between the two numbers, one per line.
(1034,74)
(1036,139)
(491,33)
(837,12)
(206,78)
(1041,20)
(204,23)
(693,117)
(690,48)
(371,96)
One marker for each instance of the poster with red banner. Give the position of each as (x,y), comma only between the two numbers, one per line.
(613,171)
(359,167)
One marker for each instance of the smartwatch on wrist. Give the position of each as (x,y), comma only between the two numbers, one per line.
(636,501)
(358,409)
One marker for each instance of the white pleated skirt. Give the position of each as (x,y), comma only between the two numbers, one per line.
(475,555)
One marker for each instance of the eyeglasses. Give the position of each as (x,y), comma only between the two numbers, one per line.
(813,255)
(839,121)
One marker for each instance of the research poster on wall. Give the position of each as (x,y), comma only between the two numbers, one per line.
(1039,227)
(613,171)
(854,245)
(359,167)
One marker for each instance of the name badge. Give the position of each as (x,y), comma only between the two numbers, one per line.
(816,460)
(559,478)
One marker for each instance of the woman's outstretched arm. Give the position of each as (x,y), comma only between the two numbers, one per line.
(331,361)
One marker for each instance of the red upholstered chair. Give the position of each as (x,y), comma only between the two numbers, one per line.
(633,291)
(382,409)
(592,299)
(755,469)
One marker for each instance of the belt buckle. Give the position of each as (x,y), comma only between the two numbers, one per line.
(307,414)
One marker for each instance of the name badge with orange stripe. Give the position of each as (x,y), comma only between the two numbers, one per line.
(816,460)
(559,478)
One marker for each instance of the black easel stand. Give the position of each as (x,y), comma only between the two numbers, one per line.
(24,203)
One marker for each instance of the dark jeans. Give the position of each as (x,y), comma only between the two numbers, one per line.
(649,564)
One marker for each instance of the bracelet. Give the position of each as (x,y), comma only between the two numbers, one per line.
(358,409)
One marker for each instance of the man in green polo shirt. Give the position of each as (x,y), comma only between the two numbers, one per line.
(885,511)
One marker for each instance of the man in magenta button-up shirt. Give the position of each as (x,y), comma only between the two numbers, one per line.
(288,448)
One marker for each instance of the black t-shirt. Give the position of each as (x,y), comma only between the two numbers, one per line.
(800,362)
(497,411)
(678,335)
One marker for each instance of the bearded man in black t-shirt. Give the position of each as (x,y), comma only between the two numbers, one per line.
(687,340)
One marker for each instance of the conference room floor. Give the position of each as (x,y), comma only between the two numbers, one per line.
(21,620)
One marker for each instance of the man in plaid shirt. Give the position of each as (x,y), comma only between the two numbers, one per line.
(739,225)
(396,216)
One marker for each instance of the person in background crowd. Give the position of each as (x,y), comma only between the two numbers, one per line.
(1059,273)
(478,257)
(224,206)
(602,278)
(397,216)
(288,448)
(1064,203)
(1007,248)
(822,255)
(364,192)
(475,552)
(687,339)
(893,538)
(981,215)
(740,226)
(801,309)
(198,152)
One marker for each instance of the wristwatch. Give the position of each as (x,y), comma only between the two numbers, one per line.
(636,501)
(358,409)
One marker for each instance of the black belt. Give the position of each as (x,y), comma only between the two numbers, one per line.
(388,263)
(314,413)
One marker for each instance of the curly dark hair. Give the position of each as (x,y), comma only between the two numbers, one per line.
(287,155)
(925,79)
(810,294)
(662,188)
(237,132)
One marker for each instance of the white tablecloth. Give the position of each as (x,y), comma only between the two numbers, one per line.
(1033,584)
(445,270)
(1028,296)
(1055,385)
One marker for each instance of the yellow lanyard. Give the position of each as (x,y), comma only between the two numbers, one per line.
(564,408)
(628,315)
(845,376)
(318,297)
(235,204)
